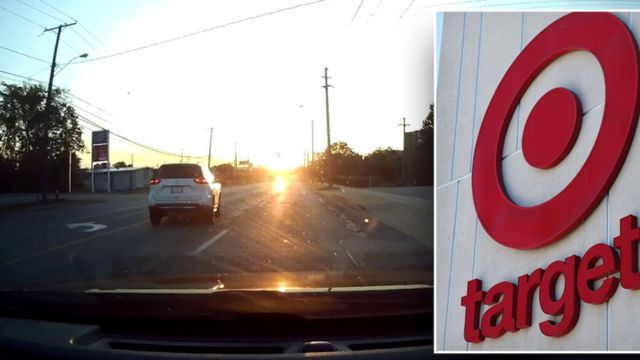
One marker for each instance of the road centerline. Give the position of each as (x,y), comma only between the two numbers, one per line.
(208,243)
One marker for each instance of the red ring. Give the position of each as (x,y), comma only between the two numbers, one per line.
(608,39)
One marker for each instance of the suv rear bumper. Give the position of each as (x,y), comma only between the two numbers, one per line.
(179,208)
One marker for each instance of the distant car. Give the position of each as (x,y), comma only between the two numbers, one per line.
(184,189)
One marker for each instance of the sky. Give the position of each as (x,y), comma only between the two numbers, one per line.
(257,80)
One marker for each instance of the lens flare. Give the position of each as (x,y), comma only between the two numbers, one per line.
(279,185)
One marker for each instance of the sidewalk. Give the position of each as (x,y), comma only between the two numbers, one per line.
(411,215)
(25,200)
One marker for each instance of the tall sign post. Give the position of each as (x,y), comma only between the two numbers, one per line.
(100,153)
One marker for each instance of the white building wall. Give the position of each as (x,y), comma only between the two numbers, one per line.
(476,51)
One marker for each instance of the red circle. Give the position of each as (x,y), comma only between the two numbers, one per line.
(551,128)
(608,39)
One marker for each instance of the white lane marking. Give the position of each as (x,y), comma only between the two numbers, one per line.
(209,242)
(351,257)
(127,215)
(91,224)
(72,243)
(131,208)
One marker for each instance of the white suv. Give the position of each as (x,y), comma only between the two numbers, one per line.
(184,189)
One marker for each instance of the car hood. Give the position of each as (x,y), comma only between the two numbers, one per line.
(246,281)
(226,296)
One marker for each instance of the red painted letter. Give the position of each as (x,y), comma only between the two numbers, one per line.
(472,302)
(588,272)
(627,242)
(503,296)
(526,287)
(568,304)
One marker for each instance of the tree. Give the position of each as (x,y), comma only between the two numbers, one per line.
(24,122)
(384,164)
(120,164)
(424,159)
(341,148)
(223,172)
(344,161)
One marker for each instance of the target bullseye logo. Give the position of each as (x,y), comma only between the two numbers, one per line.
(552,129)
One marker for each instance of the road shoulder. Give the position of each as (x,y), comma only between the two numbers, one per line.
(409,215)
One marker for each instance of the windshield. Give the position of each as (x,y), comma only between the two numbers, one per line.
(237,145)
(176,171)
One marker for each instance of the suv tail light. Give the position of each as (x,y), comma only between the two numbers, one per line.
(200,180)
(155,181)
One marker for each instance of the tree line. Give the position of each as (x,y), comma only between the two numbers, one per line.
(383,166)
(35,141)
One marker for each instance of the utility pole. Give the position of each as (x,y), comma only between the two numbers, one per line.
(210,139)
(45,147)
(404,157)
(312,151)
(53,62)
(235,161)
(326,101)
(69,169)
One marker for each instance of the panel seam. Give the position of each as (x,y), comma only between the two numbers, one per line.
(455,128)
(475,94)
(452,258)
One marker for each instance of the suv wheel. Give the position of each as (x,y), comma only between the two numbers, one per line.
(155,217)
(208,215)
(219,209)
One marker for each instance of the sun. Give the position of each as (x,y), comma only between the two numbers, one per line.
(282,162)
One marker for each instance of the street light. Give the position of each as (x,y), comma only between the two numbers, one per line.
(85,55)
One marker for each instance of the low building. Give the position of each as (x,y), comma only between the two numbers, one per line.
(122,179)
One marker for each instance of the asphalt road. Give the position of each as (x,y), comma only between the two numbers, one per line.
(298,230)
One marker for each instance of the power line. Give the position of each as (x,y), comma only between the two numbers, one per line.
(92,114)
(57,19)
(356,13)
(42,27)
(90,104)
(405,10)
(70,46)
(377,6)
(8,78)
(39,71)
(20,76)
(217,27)
(40,11)
(92,35)
(375,11)
(588,4)
(83,38)
(133,142)
(463,2)
(86,120)
(68,92)
(76,20)
(58,10)
(23,54)
(151,148)
(22,17)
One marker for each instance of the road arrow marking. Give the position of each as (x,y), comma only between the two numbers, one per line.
(92,226)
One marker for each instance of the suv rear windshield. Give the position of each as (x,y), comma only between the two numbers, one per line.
(179,171)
